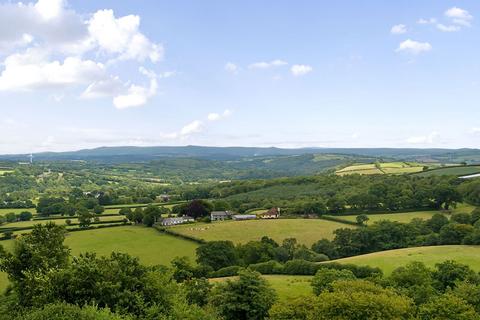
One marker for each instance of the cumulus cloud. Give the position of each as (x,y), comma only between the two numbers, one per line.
(219,116)
(475,130)
(427,139)
(427,21)
(449,28)
(267,65)
(414,47)
(459,16)
(121,36)
(231,67)
(46,45)
(300,69)
(32,70)
(398,29)
(193,127)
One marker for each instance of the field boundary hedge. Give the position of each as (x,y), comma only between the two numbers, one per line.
(340,220)
(179,235)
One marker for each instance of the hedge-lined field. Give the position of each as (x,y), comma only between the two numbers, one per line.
(151,246)
(287,287)
(306,231)
(391,259)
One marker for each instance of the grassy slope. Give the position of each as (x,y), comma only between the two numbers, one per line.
(403,217)
(287,287)
(151,246)
(306,231)
(406,217)
(458,171)
(391,259)
(386,168)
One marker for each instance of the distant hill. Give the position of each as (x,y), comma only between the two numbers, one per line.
(142,154)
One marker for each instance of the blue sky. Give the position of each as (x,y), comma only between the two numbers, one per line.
(81,74)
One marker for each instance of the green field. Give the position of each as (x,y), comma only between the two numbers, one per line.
(306,231)
(391,259)
(2,172)
(57,221)
(17,210)
(455,171)
(148,244)
(403,217)
(383,168)
(287,287)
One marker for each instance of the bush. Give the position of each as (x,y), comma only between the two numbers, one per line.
(69,312)
(68,222)
(324,278)
(359,271)
(300,267)
(225,272)
(269,267)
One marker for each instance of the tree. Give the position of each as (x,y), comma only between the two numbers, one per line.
(98,209)
(437,221)
(63,311)
(415,280)
(248,298)
(446,195)
(151,215)
(35,253)
(361,219)
(324,278)
(454,233)
(217,254)
(125,211)
(447,307)
(25,216)
(326,247)
(358,300)
(197,209)
(11,217)
(198,290)
(463,218)
(449,272)
(84,218)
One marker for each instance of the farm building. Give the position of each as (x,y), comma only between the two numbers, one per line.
(273,213)
(177,220)
(239,217)
(220,215)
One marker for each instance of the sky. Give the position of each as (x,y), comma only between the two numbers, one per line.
(82,74)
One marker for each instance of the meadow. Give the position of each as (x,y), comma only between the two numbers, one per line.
(403,217)
(391,259)
(456,171)
(287,287)
(382,168)
(306,231)
(148,244)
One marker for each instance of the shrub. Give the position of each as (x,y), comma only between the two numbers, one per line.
(226,272)
(324,278)
(269,267)
(300,267)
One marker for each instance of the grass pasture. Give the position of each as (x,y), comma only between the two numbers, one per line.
(3,171)
(149,245)
(391,259)
(403,217)
(454,171)
(382,168)
(306,231)
(286,286)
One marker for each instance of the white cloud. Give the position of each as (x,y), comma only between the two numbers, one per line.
(136,95)
(266,65)
(427,21)
(475,130)
(46,45)
(121,36)
(414,47)
(231,67)
(49,9)
(459,16)
(449,28)
(428,139)
(218,116)
(398,29)
(32,70)
(300,69)
(193,127)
